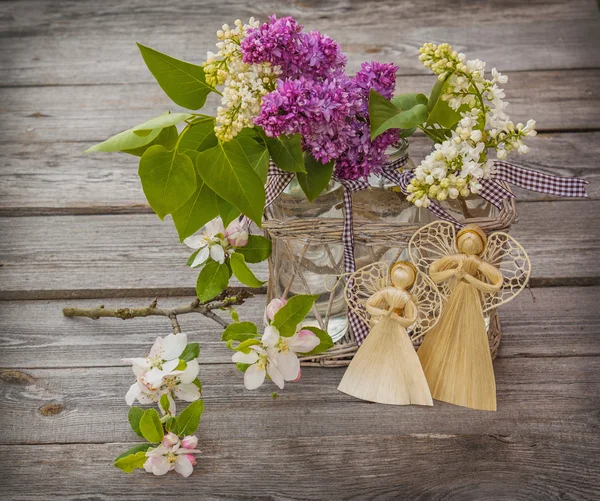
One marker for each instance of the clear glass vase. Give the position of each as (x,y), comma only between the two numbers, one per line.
(310,262)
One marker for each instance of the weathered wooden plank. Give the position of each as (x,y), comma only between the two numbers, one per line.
(43,45)
(61,180)
(558,100)
(547,395)
(395,466)
(91,256)
(562,321)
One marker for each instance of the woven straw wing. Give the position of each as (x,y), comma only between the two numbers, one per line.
(428,299)
(506,254)
(363,283)
(430,243)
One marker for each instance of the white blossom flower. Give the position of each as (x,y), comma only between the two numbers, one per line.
(275,356)
(163,350)
(210,243)
(236,234)
(172,454)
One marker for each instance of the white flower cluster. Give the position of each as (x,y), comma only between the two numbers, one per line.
(244,84)
(216,241)
(457,165)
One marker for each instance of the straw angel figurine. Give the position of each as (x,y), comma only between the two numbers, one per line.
(475,274)
(386,368)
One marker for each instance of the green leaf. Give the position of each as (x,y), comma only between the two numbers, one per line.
(256,250)
(197,383)
(200,136)
(408,101)
(183,82)
(227,211)
(168,179)
(134,450)
(240,331)
(171,424)
(324,345)
(181,366)
(191,352)
(196,211)
(408,132)
(228,172)
(244,346)
(384,115)
(443,115)
(164,402)
(292,313)
(189,419)
(286,152)
(135,414)
(213,279)
(151,427)
(242,367)
(140,135)
(436,91)
(242,272)
(258,156)
(131,462)
(234,314)
(167,138)
(316,178)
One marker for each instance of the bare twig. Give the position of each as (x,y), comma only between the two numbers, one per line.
(224,300)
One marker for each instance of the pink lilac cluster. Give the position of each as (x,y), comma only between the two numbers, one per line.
(282,43)
(332,117)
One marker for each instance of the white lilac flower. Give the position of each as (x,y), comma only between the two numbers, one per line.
(275,356)
(457,165)
(210,243)
(244,84)
(172,454)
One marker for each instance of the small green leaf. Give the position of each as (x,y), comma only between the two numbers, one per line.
(162,121)
(126,140)
(325,340)
(274,395)
(292,313)
(256,250)
(384,115)
(213,279)
(197,383)
(242,272)
(168,179)
(189,419)
(151,427)
(135,414)
(200,136)
(131,462)
(183,82)
(240,331)
(316,178)
(244,346)
(408,101)
(171,424)
(228,172)
(286,152)
(234,314)
(196,211)
(181,366)
(167,138)
(436,91)
(164,402)
(191,352)
(134,450)
(242,367)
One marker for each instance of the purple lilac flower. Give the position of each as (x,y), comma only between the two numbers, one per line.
(282,42)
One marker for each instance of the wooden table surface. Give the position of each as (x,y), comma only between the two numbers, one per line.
(75,230)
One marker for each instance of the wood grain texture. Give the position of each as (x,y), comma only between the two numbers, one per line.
(388,467)
(558,100)
(554,322)
(61,180)
(43,42)
(549,395)
(106,253)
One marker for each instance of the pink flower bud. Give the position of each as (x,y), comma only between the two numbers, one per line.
(236,234)
(191,459)
(189,442)
(274,306)
(170,439)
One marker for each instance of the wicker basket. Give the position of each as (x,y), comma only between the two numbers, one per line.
(310,231)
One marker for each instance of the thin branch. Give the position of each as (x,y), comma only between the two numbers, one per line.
(223,300)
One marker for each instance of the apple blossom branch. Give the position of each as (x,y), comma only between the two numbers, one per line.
(224,300)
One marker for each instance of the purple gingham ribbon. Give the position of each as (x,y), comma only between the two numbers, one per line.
(530,180)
